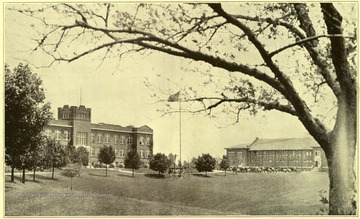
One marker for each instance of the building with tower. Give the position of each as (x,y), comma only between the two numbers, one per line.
(74,127)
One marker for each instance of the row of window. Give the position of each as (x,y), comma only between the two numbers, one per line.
(81,138)
(100,138)
(79,115)
(121,153)
(280,153)
(66,135)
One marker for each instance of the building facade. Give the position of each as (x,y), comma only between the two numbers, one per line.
(74,127)
(303,153)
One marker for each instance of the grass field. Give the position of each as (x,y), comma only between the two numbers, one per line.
(119,194)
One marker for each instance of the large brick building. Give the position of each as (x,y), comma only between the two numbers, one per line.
(284,152)
(74,126)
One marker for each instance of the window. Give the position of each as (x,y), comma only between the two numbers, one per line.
(122,140)
(107,138)
(141,153)
(48,133)
(82,115)
(116,152)
(141,141)
(67,135)
(116,140)
(92,138)
(93,151)
(81,138)
(148,153)
(122,153)
(99,138)
(147,141)
(129,140)
(57,134)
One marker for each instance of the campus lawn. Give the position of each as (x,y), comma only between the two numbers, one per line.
(120,194)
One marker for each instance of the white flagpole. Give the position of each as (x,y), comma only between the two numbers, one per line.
(180,130)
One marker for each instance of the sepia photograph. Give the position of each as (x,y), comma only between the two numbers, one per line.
(186,109)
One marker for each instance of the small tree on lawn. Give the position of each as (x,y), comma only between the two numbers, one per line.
(37,158)
(225,163)
(205,163)
(71,171)
(55,155)
(132,160)
(79,155)
(160,163)
(106,156)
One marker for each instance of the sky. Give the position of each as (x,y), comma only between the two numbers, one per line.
(115,91)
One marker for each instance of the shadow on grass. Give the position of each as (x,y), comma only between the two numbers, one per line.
(155,175)
(101,175)
(201,175)
(126,175)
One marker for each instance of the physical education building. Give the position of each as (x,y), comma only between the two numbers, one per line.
(74,126)
(302,153)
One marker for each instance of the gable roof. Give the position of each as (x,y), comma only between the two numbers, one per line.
(279,144)
(284,144)
(238,146)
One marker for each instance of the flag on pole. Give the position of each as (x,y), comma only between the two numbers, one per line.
(174,97)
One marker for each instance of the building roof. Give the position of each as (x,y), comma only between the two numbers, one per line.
(130,128)
(238,146)
(105,127)
(279,144)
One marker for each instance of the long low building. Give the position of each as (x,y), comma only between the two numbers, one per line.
(74,126)
(304,153)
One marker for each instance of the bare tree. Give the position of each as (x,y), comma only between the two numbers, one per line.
(319,41)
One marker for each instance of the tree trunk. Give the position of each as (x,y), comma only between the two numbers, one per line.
(341,161)
(225,172)
(34,174)
(133,173)
(52,172)
(71,183)
(12,173)
(105,169)
(23,175)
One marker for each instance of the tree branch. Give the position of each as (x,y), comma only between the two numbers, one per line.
(266,105)
(333,21)
(314,127)
(77,11)
(307,40)
(319,61)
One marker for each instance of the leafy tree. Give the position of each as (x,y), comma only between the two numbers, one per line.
(160,162)
(80,155)
(71,171)
(205,163)
(107,156)
(26,114)
(36,158)
(132,160)
(172,159)
(55,155)
(225,163)
(317,82)
(193,162)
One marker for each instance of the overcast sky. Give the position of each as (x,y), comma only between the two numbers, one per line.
(116,93)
